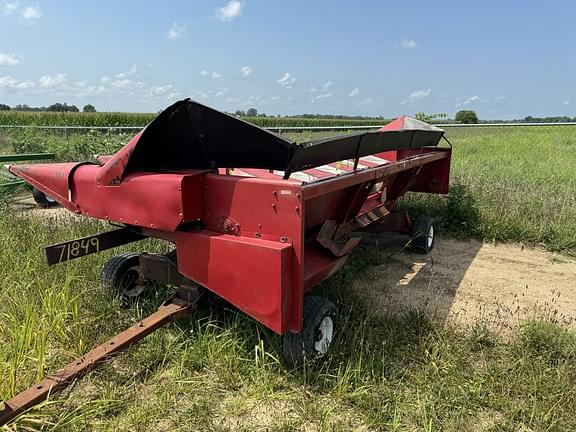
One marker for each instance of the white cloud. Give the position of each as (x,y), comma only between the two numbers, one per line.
(416,96)
(355,92)
(7,82)
(124,75)
(214,75)
(499,98)
(122,83)
(327,85)
(57,80)
(566,102)
(419,94)
(160,90)
(460,102)
(31,14)
(287,80)
(322,97)
(8,7)
(470,100)
(8,60)
(409,43)
(231,10)
(176,31)
(221,93)
(245,71)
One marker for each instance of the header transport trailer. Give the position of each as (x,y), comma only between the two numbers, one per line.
(255,218)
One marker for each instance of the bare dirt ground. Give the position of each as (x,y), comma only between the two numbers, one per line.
(25,205)
(468,281)
(461,281)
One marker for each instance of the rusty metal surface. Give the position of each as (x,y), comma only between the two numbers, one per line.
(327,238)
(88,245)
(178,306)
(160,268)
(362,220)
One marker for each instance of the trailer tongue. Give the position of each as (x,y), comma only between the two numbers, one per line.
(255,218)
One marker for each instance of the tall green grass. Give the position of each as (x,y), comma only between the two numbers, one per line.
(219,370)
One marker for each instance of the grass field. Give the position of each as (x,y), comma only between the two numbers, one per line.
(219,370)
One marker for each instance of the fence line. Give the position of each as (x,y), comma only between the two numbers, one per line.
(294,128)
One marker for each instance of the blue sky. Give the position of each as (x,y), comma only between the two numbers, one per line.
(504,59)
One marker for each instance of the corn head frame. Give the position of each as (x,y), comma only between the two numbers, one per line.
(255,218)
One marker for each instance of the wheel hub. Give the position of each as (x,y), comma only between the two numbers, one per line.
(324,336)
(132,283)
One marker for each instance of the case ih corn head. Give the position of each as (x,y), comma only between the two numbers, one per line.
(255,218)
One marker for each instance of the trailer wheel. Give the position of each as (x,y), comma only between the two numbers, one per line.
(422,237)
(122,274)
(42,199)
(318,326)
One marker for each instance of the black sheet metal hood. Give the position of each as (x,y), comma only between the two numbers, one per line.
(189,135)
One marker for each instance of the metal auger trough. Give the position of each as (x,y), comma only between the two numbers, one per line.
(255,218)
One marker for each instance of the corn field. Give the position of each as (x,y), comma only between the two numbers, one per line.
(18,118)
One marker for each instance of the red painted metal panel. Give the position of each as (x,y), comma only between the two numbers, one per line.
(263,209)
(113,170)
(153,200)
(254,275)
(320,265)
(52,179)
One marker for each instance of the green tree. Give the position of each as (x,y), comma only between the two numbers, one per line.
(4,107)
(252,112)
(429,117)
(58,107)
(466,117)
(89,108)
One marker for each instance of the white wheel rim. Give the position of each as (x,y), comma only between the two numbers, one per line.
(50,199)
(326,330)
(430,238)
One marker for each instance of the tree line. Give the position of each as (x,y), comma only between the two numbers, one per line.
(56,107)
(462,116)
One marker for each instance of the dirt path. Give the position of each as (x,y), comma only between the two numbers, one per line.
(25,205)
(466,281)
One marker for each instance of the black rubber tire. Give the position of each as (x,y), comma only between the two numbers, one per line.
(300,347)
(120,274)
(41,199)
(422,238)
